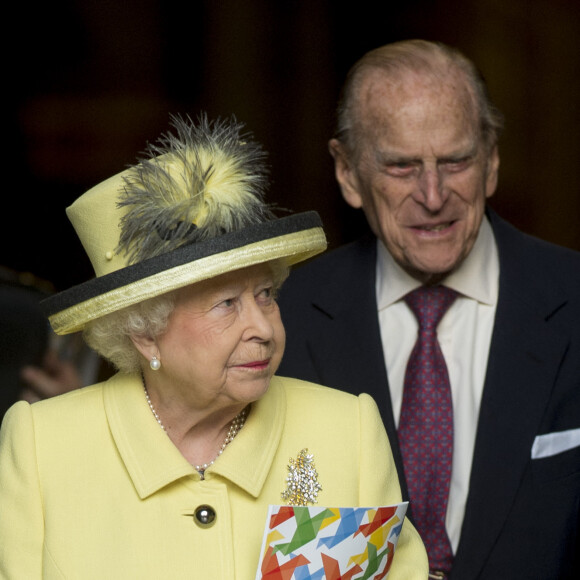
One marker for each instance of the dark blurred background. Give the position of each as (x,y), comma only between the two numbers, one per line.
(88,84)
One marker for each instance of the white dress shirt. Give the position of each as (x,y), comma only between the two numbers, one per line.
(464,334)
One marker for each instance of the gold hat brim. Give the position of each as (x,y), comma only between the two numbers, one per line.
(291,246)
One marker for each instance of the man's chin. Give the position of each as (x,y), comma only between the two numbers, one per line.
(431,273)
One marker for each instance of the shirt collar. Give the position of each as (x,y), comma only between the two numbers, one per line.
(476,278)
(152,460)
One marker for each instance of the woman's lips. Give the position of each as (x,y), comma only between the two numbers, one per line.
(257,364)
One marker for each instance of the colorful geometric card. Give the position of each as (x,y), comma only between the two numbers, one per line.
(316,543)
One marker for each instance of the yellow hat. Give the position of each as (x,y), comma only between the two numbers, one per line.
(193,209)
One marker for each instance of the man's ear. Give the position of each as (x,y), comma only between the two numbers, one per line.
(492,172)
(345,174)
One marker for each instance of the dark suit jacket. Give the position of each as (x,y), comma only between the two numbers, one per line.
(522,516)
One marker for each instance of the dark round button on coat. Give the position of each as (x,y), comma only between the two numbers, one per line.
(204,516)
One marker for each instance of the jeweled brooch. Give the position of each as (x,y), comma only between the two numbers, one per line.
(302,485)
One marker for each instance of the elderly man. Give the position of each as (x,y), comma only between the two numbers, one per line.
(465,330)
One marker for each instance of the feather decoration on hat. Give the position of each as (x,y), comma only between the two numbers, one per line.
(206,180)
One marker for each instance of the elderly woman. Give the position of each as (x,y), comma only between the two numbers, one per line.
(167,469)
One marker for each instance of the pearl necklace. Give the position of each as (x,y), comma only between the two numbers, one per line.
(235,427)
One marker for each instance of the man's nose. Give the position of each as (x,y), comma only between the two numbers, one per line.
(431,190)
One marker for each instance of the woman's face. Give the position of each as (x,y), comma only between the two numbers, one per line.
(225,338)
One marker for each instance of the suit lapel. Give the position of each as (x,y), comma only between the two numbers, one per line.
(350,339)
(523,362)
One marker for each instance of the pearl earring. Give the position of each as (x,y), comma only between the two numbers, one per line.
(155,363)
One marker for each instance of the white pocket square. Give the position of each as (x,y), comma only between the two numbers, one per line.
(554,443)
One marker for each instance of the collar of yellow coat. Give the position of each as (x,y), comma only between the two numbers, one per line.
(152,460)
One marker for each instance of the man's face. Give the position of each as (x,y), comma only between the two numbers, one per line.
(422,173)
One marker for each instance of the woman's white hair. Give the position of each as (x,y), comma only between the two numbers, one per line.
(110,335)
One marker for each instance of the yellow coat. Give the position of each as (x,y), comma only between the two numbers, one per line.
(92,488)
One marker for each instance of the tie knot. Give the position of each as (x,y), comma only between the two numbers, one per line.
(430,303)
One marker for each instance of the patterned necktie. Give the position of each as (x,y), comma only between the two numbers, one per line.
(426,425)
